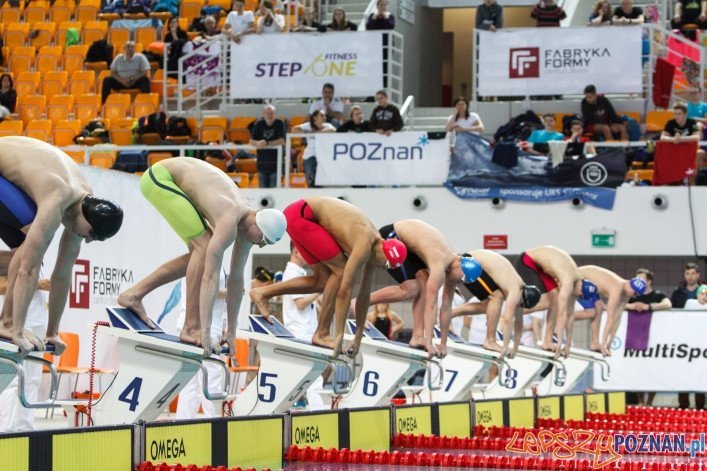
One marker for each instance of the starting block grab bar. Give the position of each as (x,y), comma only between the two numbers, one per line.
(21,381)
(605,367)
(353,368)
(427,364)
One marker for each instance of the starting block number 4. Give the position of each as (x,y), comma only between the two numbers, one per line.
(131,394)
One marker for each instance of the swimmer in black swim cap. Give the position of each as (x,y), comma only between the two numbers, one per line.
(105,217)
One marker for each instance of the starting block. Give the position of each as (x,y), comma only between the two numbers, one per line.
(287,367)
(577,364)
(518,373)
(11,366)
(386,367)
(154,367)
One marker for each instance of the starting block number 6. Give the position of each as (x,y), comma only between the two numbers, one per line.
(131,394)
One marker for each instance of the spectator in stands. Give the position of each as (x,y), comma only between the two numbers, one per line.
(599,116)
(355,123)
(269,21)
(174,32)
(627,14)
(689,14)
(540,137)
(239,22)
(696,108)
(489,16)
(684,129)
(128,70)
(332,106)
(698,303)
(464,120)
(8,96)
(386,116)
(307,23)
(210,28)
(687,289)
(339,22)
(547,14)
(268,133)
(316,124)
(385,320)
(577,141)
(601,14)
(382,18)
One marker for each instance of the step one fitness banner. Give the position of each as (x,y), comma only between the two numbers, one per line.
(403,158)
(675,358)
(297,65)
(553,61)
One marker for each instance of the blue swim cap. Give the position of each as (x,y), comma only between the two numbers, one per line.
(589,289)
(638,285)
(471,269)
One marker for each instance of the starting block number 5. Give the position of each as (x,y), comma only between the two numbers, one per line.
(269,389)
(131,394)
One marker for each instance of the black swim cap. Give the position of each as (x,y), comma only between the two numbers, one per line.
(531,296)
(105,217)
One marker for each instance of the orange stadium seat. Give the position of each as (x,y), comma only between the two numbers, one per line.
(94,31)
(32,107)
(116,106)
(60,76)
(239,178)
(213,129)
(39,129)
(216,162)
(35,13)
(27,83)
(48,59)
(145,36)
(251,5)
(85,13)
(154,157)
(87,107)
(74,57)
(11,127)
(10,15)
(118,37)
(101,75)
(60,107)
(656,120)
(298,180)
(246,165)
(121,133)
(85,81)
(59,13)
(14,37)
(157,84)
(45,33)
(102,159)
(53,84)
(21,59)
(63,27)
(238,130)
(64,132)
(190,10)
(254,180)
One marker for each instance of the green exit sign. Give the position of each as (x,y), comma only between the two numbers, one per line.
(603,240)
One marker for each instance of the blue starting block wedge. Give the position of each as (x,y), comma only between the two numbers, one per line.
(11,366)
(154,367)
(577,365)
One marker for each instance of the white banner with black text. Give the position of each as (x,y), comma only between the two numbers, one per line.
(297,65)
(403,158)
(553,61)
(675,357)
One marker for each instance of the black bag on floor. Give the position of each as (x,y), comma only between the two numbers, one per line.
(505,154)
(131,161)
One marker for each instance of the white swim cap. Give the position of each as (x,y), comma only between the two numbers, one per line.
(272,223)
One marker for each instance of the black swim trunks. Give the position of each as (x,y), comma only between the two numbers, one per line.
(17,210)
(412,263)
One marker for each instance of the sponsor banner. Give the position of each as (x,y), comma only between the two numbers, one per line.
(413,420)
(489,413)
(15,453)
(403,158)
(521,413)
(455,420)
(183,443)
(617,402)
(473,174)
(596,403)
(315,430)
(256,443)
(548,61)
(296,66)
(675,360)
(369,430)
(110,450)
(573,407)
(549,408)
(203,70)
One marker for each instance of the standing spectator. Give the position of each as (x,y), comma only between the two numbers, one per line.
(687,289)
(540,137)
(269,21)
(382,18)
(317,123)
(651,300)
(299,315)
(385,320)
(696,108)
(577,141)
(627,14)
(547,14)
(698,303)
(385,117)
(173,32)
(175,38)
(128,70)
(599,116)
(464,120)
(332,106)
(489,16)
(8,96)
(692,13)
(339,22)
(601,14)
(268,133)
(356,122)
(239,22)
(307,23)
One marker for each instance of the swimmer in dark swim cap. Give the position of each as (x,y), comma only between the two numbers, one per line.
(42,188)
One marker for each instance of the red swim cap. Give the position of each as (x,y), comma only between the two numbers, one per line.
(395,252)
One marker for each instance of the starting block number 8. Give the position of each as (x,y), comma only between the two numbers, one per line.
(511,376)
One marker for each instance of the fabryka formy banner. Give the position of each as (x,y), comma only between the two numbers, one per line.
(297,65)
(675,358)
(403,158)
(550,61)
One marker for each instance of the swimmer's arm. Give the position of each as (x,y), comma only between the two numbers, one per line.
(565,314)
(5,258)
(364,295)
(512,312)
(354,265)
(69,248)
(445,309)
(614,308)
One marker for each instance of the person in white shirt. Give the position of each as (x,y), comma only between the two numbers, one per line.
(700,302)
(317,123)
(192,396)
(332,106)
(269,21)
(464,120)
(239,22)
(299,315)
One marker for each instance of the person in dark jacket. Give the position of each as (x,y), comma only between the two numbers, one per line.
(687,289)
(385,117)
(382,18)
(489,16)
(8,96)
(600,117)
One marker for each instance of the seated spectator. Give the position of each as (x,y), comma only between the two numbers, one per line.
(627,14)
(540,137)
(339,22)
(382,18)
(317,123)
(128,70)
(138,7)
(463,120)
(601,14)
(307,23)
(689,14)
(687,289)
(385,320)
(386,116)
(269,21)
(239,22)
(577,141)
(268,133)
(696,108)
(600,117)
(332,106)
(698,303)
(356,122)
(8,96)
(684,129)
(489,16)
(174,32)
(547,14)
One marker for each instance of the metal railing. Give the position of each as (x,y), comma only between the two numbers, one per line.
(407,112)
